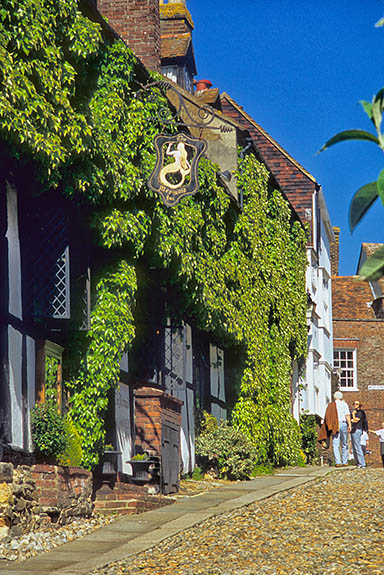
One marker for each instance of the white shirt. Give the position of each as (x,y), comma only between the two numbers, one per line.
(380,433)
(342,410)
(364,438)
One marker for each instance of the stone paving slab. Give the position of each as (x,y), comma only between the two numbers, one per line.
(128,536)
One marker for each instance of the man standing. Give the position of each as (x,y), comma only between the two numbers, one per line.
(359,424)
(337,422)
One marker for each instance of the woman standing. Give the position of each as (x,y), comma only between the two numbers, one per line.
(359,424)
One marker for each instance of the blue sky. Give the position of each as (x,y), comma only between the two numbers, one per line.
(300,67)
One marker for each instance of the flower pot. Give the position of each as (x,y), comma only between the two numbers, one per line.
(109,462)
(144,470)
(107,469)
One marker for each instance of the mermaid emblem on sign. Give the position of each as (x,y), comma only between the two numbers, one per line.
(180,166)
(175,173)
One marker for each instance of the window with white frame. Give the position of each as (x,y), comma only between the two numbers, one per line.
(344,360)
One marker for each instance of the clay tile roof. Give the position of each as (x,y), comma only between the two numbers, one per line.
(225,96)
(350,298)
(208,96)
(175,46)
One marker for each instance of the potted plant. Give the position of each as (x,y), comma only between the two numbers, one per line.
(144,467)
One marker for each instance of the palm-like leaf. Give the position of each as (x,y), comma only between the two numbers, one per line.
(373,268)
(361,202)
(350,135)
(367,108)
(380,186)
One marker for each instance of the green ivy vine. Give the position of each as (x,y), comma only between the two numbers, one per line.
(68,103)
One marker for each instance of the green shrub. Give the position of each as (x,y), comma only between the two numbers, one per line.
(301,460)
(262,469)
(209,422)
(48,430)
(73,453)
(197,474)
(226,451)
(308,429)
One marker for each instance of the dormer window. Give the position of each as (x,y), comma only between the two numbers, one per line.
(177,56)
(170,72)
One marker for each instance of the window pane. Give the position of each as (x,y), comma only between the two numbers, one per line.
(344,362)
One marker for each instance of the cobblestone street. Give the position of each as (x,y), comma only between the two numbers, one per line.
(332,526)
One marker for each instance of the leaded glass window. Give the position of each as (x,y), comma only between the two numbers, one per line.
(47,260)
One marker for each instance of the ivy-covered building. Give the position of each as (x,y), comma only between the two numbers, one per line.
(123,309)
(311,385)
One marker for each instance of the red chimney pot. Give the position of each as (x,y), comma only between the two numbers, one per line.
(202,85)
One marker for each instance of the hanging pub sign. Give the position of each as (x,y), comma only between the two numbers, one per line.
(175,174)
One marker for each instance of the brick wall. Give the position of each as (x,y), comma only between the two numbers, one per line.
(335,252)
(138,23)
(127,498)
(355,327)
(373,405)
(63,492)
(153,408)
(34,495)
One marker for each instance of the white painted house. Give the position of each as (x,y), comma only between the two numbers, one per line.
(312,390)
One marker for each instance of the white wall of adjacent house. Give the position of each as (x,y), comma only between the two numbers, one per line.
(295,390)
(21,348)
(316,381)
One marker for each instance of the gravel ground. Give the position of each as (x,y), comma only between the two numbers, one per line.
(48,537)
(332,527)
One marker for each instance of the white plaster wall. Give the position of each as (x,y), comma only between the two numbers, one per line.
(31,385)
(214,375)
(123,426)
(219,412)
(14,308)
(187,432)
(324,396)
(14,263)
(315,396)
(124,362)
(307,402)
(216,357)
(15,342)
(295,392)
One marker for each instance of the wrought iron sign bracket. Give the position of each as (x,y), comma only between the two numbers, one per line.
(202,120)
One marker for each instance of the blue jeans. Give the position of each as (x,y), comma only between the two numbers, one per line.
(340,439)
(357,450)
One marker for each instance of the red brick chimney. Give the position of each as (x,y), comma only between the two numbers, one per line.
(175,18)
(138,23)
(335,252)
